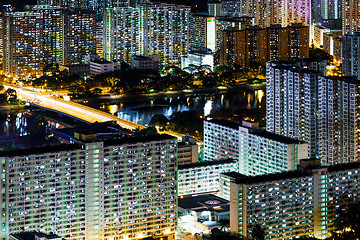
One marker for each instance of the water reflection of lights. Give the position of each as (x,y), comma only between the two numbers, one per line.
(207,108)
(113,109)
(260,94)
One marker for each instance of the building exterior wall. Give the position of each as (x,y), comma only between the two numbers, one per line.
(105,190)
(351,55)
(22,44)
(294,204)
(255,45)
(338,137)
(350,17)
(147,29)
(292,100)
(199,178)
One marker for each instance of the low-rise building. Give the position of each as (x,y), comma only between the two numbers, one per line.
(34,236)
(188,150)
(101,66)
(83,70)
(202,213)
(143,62)
(202,177)
(197,58)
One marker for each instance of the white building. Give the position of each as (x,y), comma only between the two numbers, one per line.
(339,98)
(257,151)
(291,100)
(198,57)
(202,177)
(101,66)
(117,189)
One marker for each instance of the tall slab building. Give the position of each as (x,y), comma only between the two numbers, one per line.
(110,190)
(351,55)
(151,28)
(291,100)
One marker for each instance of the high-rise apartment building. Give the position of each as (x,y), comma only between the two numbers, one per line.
(114,189)
(22,43)
(79,35)
(351,55)
(147,29)
(203,31)
(45,35)
(291,100)
(207,31)
(267,13)
(257,151)
(64,3)
(52,32)
(166,31)
(350,16)
(292,204)
(99,34)
(122,34)
(259,45)
(339,98)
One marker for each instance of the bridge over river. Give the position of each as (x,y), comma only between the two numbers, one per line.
(69,108)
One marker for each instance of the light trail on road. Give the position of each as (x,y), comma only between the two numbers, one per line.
(76,110)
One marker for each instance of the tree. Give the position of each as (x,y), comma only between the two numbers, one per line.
(11,94)
(159,120)
(224,225)
(258,233)
(348,219)
(96,91)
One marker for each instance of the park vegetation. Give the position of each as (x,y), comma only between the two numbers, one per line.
(136,81)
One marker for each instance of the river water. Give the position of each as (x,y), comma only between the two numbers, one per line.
(140,108)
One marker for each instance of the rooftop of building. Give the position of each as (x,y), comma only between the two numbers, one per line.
(100,61)
(201,50)
(102,130)
(32,235)
(149,138)
(255,131)
(40,150)
(300,172)
(243,179)
(141,57)
(235,19)
(275,137)
(226,123)
(71,147)
(203,202)
(207,163)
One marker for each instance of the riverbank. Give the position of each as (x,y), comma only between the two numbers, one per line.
(12,107)
(255,86)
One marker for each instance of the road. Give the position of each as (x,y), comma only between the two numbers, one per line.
(73,109)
